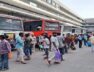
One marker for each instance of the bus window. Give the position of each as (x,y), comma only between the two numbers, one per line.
(33,26)
(51,26)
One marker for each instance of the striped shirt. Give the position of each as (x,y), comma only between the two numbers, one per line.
(5,46)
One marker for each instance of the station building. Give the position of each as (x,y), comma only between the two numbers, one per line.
(14,12)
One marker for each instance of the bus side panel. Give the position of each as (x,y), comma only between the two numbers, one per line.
(38,33)
(51,32)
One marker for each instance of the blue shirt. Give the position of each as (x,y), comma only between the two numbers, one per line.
(80,37)
(19,42)
(85,37)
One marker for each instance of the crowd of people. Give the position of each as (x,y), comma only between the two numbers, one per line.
(54,47)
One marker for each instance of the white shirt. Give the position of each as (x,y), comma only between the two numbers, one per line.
(92,39)
(46,43)
(33,39)
(55,40)
(60,40)
(40,38)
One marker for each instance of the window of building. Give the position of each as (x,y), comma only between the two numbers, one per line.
(26,1)
(57,6)
(43,0)
(53,3)
(49,1)
(73,30)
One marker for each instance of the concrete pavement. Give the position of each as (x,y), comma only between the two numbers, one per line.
(81,60)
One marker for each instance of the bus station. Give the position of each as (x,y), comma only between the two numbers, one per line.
(31,22)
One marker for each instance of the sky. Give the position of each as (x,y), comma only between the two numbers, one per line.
(84,8)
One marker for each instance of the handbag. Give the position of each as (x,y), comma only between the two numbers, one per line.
(89,44)
(10,55)
(41,46)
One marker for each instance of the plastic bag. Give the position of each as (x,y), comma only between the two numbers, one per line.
(57,56)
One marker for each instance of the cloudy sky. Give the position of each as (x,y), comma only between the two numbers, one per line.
(84,8)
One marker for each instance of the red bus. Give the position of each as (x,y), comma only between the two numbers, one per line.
(39,27)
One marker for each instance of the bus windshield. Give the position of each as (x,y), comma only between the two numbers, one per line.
(10,24)
(33,26)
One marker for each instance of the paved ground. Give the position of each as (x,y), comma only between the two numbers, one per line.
(81,60)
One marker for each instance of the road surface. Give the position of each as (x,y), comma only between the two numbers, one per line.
(81,60)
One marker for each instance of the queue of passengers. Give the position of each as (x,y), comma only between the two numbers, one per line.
(54,46)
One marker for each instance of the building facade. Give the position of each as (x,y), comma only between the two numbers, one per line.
(40,9)
(89,24)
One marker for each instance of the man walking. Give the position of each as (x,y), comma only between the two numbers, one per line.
(92,42)
(80,40)
(27,46)
(34,41)
(46,45)
(54,48)
(19,47)
(61,45)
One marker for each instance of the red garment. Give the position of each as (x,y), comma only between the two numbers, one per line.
(67,40)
